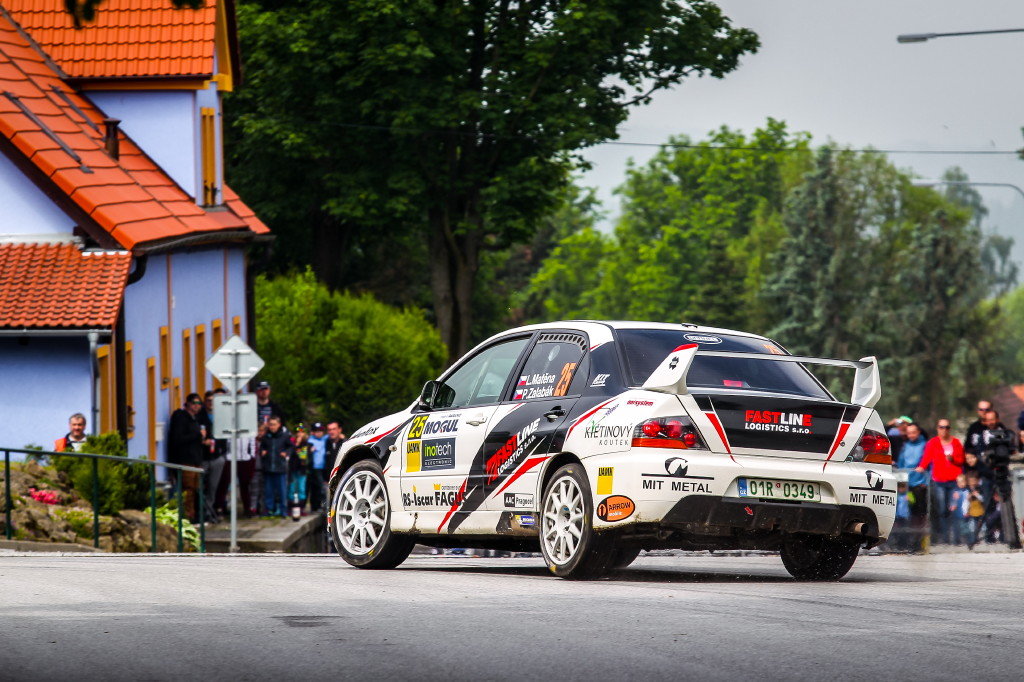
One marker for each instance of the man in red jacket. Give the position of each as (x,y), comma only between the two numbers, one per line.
(944,454)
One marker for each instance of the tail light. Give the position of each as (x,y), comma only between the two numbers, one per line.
(873,448)
(676,433)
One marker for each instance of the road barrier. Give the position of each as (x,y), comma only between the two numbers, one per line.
(201,502)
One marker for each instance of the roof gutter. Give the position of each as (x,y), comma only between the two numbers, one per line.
(233,236)
(26,331)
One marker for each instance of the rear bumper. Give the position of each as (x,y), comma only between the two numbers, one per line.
(702,514)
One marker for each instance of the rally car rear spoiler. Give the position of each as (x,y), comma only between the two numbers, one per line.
(670,376)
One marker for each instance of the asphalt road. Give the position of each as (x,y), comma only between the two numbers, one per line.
(952,616)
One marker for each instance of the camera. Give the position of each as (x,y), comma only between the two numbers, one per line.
(999,444)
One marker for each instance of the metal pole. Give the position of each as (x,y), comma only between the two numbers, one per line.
(95,503)
(202,511)
(233,547)
(181,509)
(8,531)
(152,507)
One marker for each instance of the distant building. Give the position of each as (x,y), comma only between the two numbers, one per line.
(122,252)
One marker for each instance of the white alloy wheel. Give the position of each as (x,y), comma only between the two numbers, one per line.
(564,520)
(361,513)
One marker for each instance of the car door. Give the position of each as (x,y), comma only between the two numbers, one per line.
(439,446)
(527,426)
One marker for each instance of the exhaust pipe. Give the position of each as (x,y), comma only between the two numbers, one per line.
(857,528)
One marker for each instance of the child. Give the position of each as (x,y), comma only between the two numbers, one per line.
(975,508)
(901,530)
(959,510)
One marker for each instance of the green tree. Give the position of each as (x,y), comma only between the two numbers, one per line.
(455,121)
(333,355)
(872,265)
(696,221)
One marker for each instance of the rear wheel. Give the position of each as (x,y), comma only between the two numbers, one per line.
(819,558)
(361,520)
(570,546)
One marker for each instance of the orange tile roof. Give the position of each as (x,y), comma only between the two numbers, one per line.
(41,286)
(131,199)
(128,39)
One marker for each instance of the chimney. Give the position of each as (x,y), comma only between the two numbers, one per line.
(110,141)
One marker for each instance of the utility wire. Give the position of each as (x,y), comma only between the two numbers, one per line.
(661,145)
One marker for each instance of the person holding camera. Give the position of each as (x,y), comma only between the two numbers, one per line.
(944,455)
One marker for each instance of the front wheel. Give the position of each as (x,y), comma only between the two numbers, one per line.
(361,520)
(570,546)
(819,558)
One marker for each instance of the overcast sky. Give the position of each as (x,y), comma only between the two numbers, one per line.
(833,68)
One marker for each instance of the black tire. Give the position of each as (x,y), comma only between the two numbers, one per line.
(624,556)
(389,549)
(592,554)
(819,558)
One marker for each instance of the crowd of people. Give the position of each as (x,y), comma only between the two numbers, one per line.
(948,489)
(280,473)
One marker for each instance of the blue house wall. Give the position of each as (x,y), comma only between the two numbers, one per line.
(205,285)
(43,381)
(24,209)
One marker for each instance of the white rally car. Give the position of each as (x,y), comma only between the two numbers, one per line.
(595,440)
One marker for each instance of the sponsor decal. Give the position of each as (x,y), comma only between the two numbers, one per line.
(770,420)
(518,500)
(875,498)
(366,431)
(641,403)
(615,508)
(605,478)
(600,380)
(438,454)
(702,338)
(440,497)
(876,483)
(416,428)
(676,468)
(509,453)
(565,378)
(526,519)
(412,456)
(773,349)
(442,426)
(619,434)
(674,363)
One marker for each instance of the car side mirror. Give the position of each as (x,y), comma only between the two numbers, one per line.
(426,399)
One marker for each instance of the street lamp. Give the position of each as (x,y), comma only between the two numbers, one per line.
(933,183)
(922,37)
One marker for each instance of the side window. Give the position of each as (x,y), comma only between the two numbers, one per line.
(550,369)
(480,379)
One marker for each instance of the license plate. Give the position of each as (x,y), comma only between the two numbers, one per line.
(768,488)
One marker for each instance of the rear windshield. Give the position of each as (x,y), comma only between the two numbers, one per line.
(644,350)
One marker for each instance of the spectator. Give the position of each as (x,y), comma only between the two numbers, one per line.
(897,433)
(74,439)
(989,423)
(971,438)
(317,467)
(960,511)
(901,529)
(213,456)
(275,449)
(255,499)
(265,407)
(335,439)
(298,468)
(185,441)
(973,466)
(976,508)
(944,455)
(917,481)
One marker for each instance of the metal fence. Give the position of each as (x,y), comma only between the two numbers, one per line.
(917,534)
(200,503)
